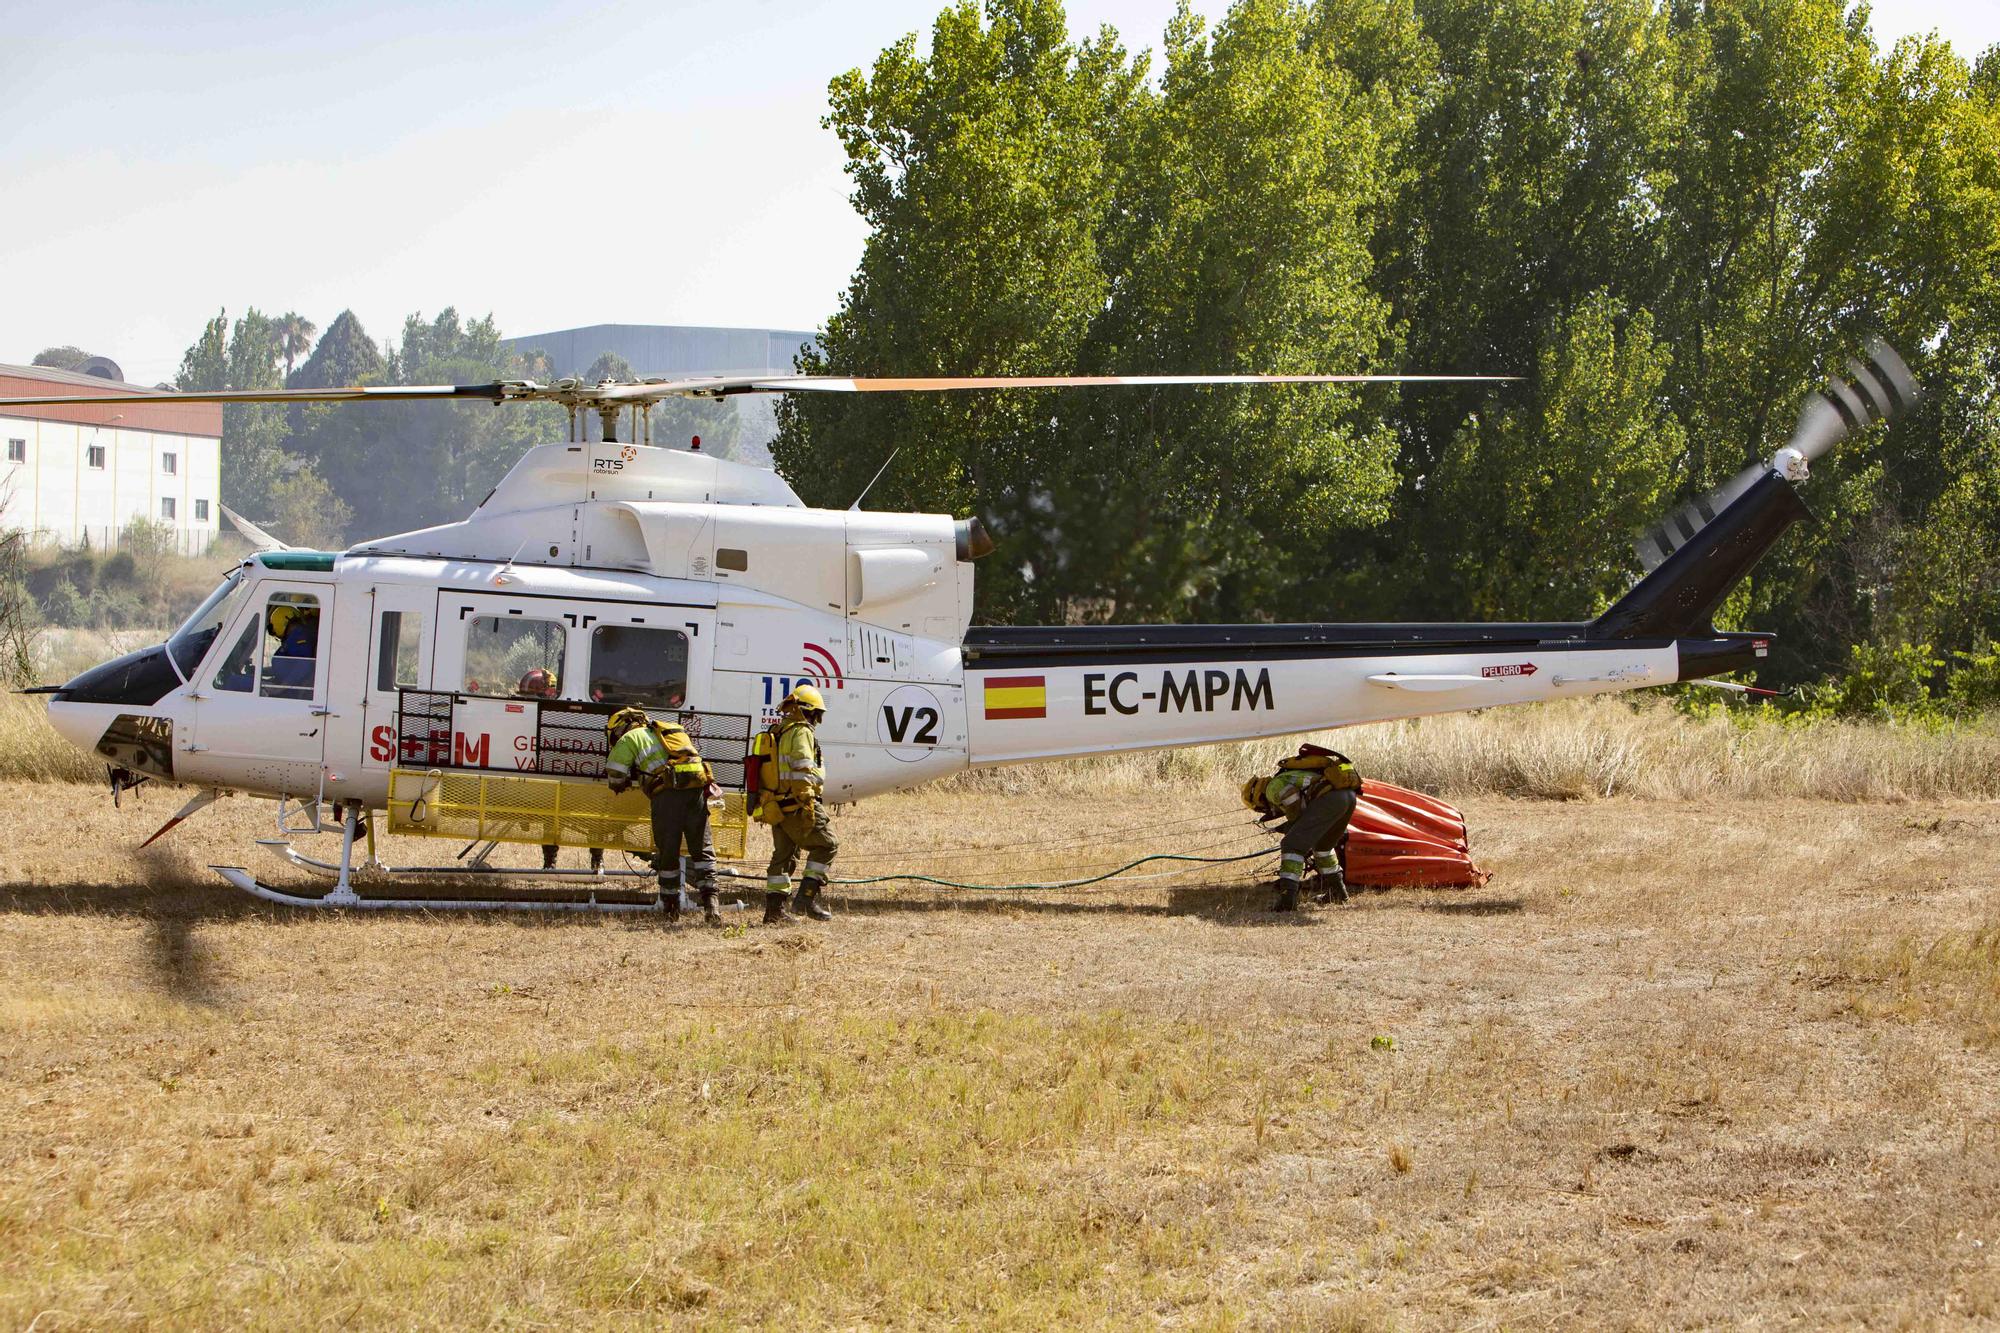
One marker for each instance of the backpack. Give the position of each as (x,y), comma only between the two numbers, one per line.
(1335,769)
(686,769)
(760,774)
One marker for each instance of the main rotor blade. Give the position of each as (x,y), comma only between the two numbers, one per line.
(575,393)
(840,384)
(490,392)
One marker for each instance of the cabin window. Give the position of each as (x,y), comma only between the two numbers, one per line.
(239,669)
(632,664)
(290,660)
(396,660)
(502,652)
(731,557)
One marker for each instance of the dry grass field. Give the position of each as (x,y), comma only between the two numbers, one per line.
(1681,1063)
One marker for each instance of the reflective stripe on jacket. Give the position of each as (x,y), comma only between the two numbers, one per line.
(799,761)
(638,752)
(1291,789)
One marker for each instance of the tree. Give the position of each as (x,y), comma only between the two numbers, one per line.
(410,465)
(345,355)
(17,611)
(295,338)
(306,511)
(1237,240)
(242,357)
(982,173)
(62,358)
(1588,452)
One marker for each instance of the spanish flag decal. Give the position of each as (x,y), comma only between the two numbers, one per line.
(1016,696)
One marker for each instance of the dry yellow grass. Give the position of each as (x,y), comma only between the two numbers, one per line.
(1569,751)
(1680,1064)
(1637,747)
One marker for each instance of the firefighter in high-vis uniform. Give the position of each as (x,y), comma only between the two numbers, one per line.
(795,778)
(1315,791)
(662,759)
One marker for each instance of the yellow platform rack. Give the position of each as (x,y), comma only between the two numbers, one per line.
(563,812)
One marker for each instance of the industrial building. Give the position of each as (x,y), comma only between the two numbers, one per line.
(85,473)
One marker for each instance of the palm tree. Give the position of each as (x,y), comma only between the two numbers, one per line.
(295,338)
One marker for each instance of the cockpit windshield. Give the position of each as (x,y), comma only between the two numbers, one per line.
(190,642)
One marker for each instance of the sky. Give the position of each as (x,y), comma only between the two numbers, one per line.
(651,161)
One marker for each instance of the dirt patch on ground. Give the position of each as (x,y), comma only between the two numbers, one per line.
(1677,1064)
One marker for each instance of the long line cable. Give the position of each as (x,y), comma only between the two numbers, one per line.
(1067,883)
(1098,835)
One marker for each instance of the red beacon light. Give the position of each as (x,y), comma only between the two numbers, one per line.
(694,445)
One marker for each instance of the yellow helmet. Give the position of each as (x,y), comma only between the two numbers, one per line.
(1253,793)
(806,699)
(624,720)
(283,615)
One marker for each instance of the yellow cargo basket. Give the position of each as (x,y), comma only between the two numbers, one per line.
(563,812)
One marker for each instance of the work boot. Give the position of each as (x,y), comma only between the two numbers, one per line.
(774,909)
(670,902)
(1288,896)
(709,916)
(809,902)
(1332,886)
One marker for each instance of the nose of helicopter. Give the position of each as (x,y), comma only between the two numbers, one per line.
(79,724)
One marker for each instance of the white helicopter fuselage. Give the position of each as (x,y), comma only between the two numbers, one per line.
(680,580)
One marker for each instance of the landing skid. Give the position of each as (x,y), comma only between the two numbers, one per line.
(348,898)
(343,893)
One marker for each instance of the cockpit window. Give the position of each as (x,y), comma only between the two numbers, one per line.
(190,642)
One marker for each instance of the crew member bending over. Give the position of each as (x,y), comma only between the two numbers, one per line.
(662,759)
(1315,791)
(801,823)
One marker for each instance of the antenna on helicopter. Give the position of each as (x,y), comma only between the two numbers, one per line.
(877,477)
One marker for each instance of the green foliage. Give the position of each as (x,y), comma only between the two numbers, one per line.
(1974,686)
(1887,683)
(1673,221)
(142,539)
(17,612)
(345,355)
(1588,452)
(61,358)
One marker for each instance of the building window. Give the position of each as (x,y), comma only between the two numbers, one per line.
(630,664)
(170,464)
(501,652)
(730,557)
(201,511)
(167,508)
(17,451)
(94,457)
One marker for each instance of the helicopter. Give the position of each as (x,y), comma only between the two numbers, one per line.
(706,590)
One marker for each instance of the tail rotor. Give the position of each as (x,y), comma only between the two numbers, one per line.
(1882,390)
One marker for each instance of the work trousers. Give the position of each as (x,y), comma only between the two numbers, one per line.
(681,817)
(803,830)
(1317,828)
